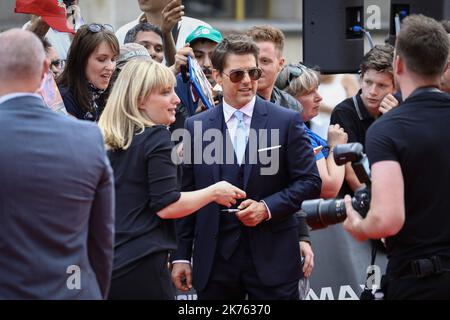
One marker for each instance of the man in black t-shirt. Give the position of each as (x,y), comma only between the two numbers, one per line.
(407,149)
(357,113)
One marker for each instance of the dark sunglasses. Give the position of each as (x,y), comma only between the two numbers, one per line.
(295,71)
(238,75)
(97,27)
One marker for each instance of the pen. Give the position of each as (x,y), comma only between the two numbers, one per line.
(230,210)
(270,148)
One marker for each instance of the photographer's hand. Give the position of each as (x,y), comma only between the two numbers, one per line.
(386,215)
(353,221)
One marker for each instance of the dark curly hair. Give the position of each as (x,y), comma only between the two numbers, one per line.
(379,58)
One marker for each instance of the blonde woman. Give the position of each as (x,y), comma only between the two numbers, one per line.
(303,83)
(135,124)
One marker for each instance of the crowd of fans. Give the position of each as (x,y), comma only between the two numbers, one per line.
(133,86)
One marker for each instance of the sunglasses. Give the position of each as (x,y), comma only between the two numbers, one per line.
(295,71)
(238,75)
(97,27)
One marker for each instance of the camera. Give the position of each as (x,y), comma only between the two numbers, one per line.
(321,213)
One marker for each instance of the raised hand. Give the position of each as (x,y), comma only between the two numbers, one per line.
(181,58)
(336,135)
(171,14)
(38,26)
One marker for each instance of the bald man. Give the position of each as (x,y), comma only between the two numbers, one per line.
(56,191)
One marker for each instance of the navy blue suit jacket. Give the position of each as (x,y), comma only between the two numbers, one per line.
(273,243)
(56,205)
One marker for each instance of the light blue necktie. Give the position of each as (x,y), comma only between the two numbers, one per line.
(240,137)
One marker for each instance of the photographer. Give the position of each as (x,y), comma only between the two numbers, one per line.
(410,204)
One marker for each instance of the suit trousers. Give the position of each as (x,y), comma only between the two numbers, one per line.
(236,279)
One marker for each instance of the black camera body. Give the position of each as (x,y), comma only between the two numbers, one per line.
(321,213)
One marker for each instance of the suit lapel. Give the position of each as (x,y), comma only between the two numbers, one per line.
(259,121)
(216,122)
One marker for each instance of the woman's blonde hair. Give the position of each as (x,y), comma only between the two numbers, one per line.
(301,79)
(122,118)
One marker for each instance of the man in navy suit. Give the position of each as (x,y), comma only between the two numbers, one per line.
(253,252)
(56,191)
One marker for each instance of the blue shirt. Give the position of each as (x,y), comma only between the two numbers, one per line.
(316,141)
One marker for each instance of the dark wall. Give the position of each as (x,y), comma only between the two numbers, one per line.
(328,41)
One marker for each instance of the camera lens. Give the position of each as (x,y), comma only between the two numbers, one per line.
(321,213)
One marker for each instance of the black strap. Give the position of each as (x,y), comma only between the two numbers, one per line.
(423,267)
(372,260)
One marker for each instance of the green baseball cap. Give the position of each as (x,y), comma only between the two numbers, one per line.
(202,32)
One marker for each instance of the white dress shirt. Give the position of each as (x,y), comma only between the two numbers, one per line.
(232,122)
